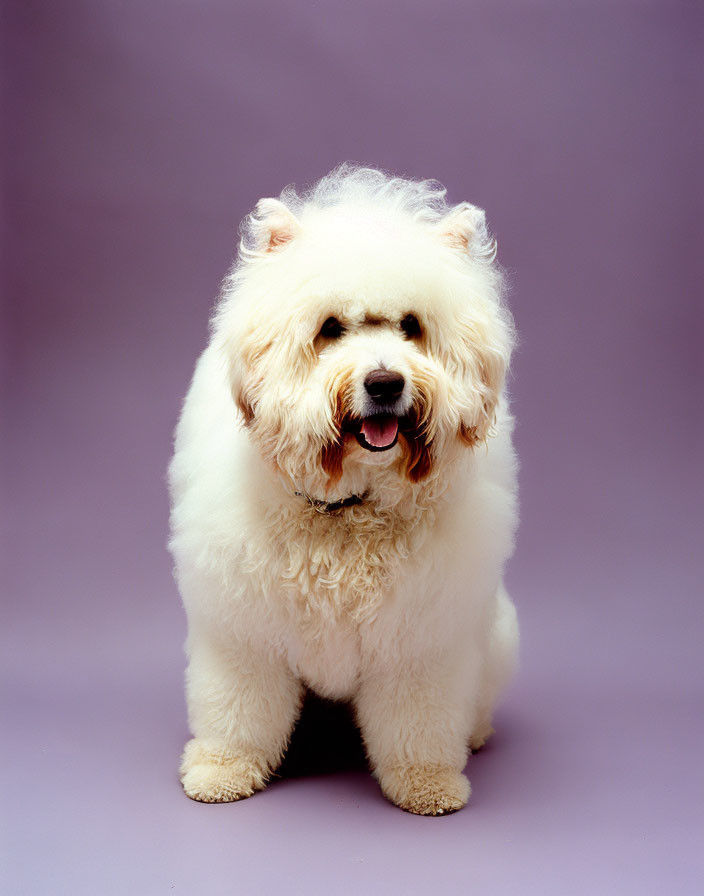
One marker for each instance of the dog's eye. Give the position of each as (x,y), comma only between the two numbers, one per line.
(411,326)
(332,329)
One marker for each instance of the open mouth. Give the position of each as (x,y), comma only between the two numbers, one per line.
(378,432)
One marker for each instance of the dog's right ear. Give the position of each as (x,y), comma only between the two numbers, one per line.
(271,226)
(244,353)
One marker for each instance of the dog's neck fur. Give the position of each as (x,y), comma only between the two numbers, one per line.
(372,490)
(310,562)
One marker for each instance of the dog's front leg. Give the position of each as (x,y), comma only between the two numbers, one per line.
(242,704)
(415,723)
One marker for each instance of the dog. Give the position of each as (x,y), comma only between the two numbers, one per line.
(343,490)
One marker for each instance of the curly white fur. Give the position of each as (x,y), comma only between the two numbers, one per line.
(395,604)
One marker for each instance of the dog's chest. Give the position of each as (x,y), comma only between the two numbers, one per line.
(329,592)
(335,574)
(327,659)
(332,580)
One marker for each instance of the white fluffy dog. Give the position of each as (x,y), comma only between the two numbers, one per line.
(344,490)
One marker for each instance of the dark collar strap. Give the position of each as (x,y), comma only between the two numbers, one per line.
(331,506)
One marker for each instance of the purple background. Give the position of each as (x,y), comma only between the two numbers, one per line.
(138,134)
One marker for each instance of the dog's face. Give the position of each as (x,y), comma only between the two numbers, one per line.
(357,342)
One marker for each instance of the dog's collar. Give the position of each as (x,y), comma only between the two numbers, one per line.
(331,506)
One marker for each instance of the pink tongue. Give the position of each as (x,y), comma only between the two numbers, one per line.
(380,430)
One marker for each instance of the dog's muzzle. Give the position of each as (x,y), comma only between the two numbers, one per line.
(378,429)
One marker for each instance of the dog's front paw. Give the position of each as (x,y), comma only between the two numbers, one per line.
(213,775)
(425,789)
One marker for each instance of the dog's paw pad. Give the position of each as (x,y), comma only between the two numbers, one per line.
(426,789)
(212,775)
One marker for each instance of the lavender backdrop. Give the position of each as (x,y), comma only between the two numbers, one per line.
(138,134)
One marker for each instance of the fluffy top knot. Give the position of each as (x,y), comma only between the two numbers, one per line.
(354,190)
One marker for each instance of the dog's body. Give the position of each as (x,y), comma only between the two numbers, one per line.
(347,528)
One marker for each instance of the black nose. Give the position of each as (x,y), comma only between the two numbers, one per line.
(384,386)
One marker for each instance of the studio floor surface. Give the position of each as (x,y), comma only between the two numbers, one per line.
(591,785)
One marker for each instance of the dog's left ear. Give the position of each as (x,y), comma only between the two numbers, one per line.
(464,228)
(486,342)
(483,336)
(272,225)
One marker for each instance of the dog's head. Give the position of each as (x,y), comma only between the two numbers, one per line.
(363,327)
